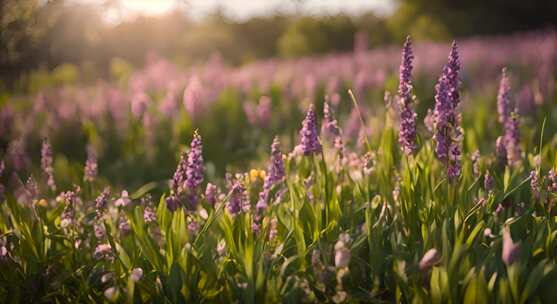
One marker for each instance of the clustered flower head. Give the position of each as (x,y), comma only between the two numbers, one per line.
(535,186)
(488,181)
(124,200)
(309,141)
(552,181)
(407,133)
(91,166)
(511,139)
(274,175)
(46,164)
(70,199)
(187,177)
(503,97)
(507,146)
(101,201)
(448,133)
(194,165)
(238,198)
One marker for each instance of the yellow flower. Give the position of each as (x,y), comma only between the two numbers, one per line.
(262,174)
(253,174)
(41,202)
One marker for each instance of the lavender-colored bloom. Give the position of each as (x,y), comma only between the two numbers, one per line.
(90,170)
(501,150)
(172,203)
(193,226)
(46,164)
(309,142)
(100,231)
(101,201)
(275,171)
(535,186)
(275,174)
(237,198)
(552,181)
(102,251)
(405,70)
(123,200)
(194,171)
(503,97)
(407,133)
(454,166)
(512,138)
(124,226)
(329,127)
(211,193)
(273,230)
(488,181)
(149,215)
(179,177)
(448,134)
(194,165)
(511,250)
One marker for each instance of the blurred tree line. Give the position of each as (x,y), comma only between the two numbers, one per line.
(45,34)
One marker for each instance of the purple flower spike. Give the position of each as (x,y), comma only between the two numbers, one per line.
(488,181)
(309,142)
(177,183)
(274,175)
(46,164)
(512,138)
(535,184)
(276,167)
(503,97)
(237,199)
(552,181)
(194,167)
(448,134)
(405,71)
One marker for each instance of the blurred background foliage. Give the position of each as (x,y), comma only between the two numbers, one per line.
(72,41)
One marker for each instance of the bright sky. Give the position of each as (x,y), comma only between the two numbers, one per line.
(246,8)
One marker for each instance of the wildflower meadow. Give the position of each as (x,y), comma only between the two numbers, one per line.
(422,172)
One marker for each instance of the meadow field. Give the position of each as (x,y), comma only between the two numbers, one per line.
(419,172)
